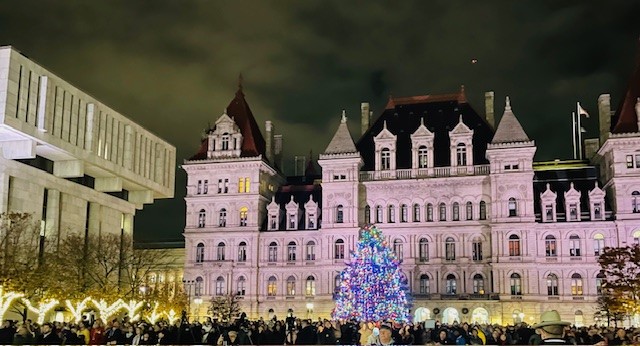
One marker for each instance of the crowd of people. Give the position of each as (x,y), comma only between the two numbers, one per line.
(295,331)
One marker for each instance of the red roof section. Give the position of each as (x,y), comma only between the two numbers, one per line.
(459,96)
(627,119)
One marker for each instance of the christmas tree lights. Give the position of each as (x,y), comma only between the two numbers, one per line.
(371,287)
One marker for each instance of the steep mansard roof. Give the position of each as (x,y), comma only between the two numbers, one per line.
(509,129)
(342,142)
(440,113)
(625,119)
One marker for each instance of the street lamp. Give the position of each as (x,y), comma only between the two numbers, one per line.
(309,310)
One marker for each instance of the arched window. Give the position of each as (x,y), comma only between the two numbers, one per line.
(636,237)
(338,248)
(550,246)
(391,214)
(220,251)
(310,286)
(404,213)
(337,281)
(220,286)
(273,252)
(516,284)
(339,214)
(200,253)
(311,250)
(385,159)
(461,154)
(483,210)
(598,244)
(600,278)
(574,246)
(478,284)
(244,212)
(451,284)
(552,285)
(513,207)
(367,214)
(455,214)
(424,284)
(291,285)
(576,285)
(378,214)
(241,286)
(271,286)
(423,250)
(514,245)
(416,213)
(197,289)
(469,211)
(397,248)
(635,201)
(423,157)
(429,212)
(450,249)
(225,141)
(202,218)
(222,220)
(242,252)
(291,251)
(443,212)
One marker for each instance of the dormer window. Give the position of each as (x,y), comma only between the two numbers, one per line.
(548,212)
(461,154)
(385,150)
(225,141)
(273,210)
(573,212)
(292,214)
(423,157)
(292,221)
(311,211)
(572,204)
(548,204)
(597,211)
(385,159)
(273,222)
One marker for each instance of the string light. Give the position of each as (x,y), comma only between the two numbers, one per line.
(172,316)
(42,309)
(76,310)
(132,307)
(6,299)
(154,316)
(107,311)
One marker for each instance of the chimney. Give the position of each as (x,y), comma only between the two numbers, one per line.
(366,117)
(591,146)
(604,116)
(488,109)
(277,150)
(269,141)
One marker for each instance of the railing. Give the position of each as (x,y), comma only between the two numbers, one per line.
(432,172)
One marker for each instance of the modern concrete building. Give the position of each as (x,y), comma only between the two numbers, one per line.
(76,164)
(485,233)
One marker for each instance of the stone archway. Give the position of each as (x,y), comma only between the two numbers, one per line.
(480,316)
(421,315)
(450,315)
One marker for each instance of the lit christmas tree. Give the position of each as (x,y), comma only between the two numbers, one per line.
(371,288)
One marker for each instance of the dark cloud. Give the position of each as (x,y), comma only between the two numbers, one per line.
(172,66)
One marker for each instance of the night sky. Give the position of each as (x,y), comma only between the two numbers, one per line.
(172,66)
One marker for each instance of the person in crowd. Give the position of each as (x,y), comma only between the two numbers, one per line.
(23,336)
(6,332)
(48,335)
(551,328)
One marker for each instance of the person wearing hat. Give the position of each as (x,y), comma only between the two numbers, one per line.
(551,328)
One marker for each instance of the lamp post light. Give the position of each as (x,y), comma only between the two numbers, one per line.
(521,315)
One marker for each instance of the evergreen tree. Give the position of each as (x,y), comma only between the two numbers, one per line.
(371,287)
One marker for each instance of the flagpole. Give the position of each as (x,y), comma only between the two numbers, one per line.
(573,133)
(579,131)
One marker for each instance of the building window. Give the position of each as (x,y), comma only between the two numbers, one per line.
(273,252)
(629,161)
(378,214)
(423,250)
(552,285)
(451,284)
(244,212)
(576,285)
(273,221)
(337,281)
(469,211)
(516,285)
(514,245)
(242,252)
(404,213)
(443,212)
(550,246)
(476,250)
(597,211)
(311,221)
(385,159)
(397,248)
(310,286)
(220,251)
(461,154)
(636,237)
(223,185)
(450,249)
(292,221)
(548,212)
(391,214)
(574,246)
(241,286)
(291,286)
(271,286)
(422,157)
(367,214)
(225,141)
(311,250)
(416,213)
(513,207)
(429,212)
(339,214)
(600,278)
(240,185)
(424,284)
(598,244)
(222,219)
(635,201)
(199,191)
(200,253)
(202,218)
(291,252)
(205,187)
(478,284)
(244,185)
(573,212)
(455,215)
(339,249)
(197,289)
(483,210)
(220,286)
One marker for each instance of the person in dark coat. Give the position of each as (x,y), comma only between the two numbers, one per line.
(114,336)
(6,333)
(23,336)
(326,334)
(307,335)
(48,335)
